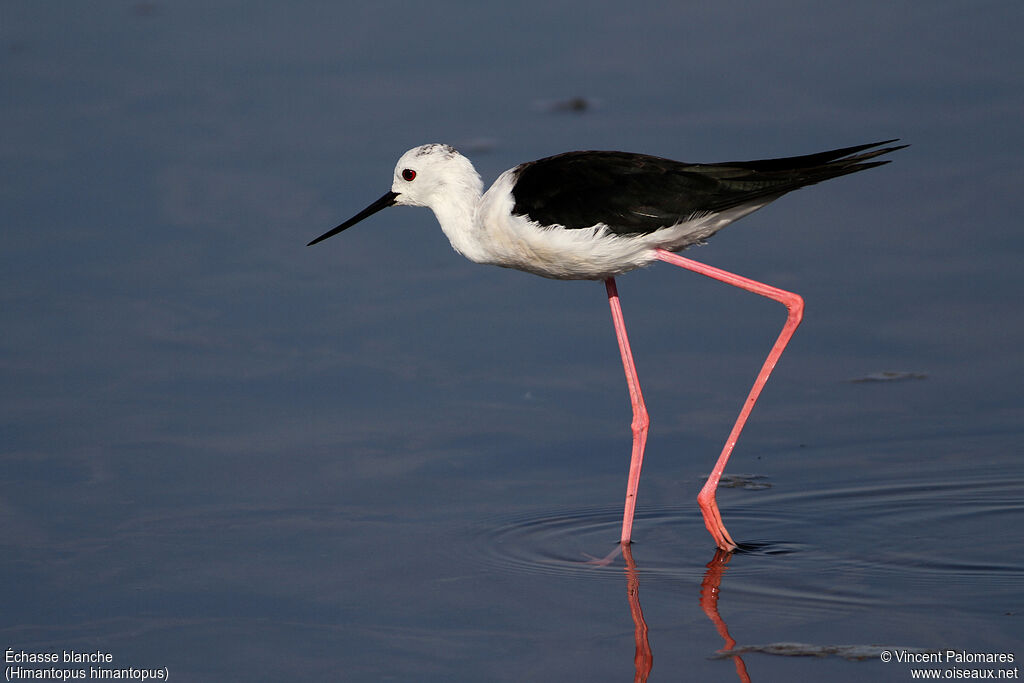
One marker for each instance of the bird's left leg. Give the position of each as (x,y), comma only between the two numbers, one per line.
(640,419)
(795,307)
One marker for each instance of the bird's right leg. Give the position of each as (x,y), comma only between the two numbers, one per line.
(795,310)
(640,419)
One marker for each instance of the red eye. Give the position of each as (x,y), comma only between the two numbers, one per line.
(408,174)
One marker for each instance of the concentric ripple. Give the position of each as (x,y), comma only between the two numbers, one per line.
(584,542)
(855,546)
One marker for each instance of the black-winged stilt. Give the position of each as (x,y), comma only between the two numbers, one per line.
(595,215)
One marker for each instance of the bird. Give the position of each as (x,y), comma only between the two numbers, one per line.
(595,215)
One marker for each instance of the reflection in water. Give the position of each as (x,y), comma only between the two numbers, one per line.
(774,574)
(643,659)
(709,591)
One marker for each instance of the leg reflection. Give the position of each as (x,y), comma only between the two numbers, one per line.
(643,660)
(709,589)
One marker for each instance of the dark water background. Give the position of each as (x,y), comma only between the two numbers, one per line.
(239,458)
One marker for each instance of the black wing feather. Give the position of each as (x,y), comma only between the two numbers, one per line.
(637,193)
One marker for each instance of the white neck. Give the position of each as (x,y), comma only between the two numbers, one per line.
(457,216)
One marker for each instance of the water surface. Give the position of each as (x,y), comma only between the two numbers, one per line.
(238,458)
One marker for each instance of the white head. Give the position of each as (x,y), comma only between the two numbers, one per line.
(433,175)
(430,174)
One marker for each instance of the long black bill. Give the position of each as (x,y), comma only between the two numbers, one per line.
(382,203)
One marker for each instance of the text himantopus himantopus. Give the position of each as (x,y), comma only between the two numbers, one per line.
(595,215)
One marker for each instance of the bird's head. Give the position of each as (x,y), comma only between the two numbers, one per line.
(424,176)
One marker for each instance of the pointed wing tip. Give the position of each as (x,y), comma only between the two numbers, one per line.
(886,150)
(856,156)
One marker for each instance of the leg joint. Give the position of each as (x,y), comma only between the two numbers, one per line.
(795,305)
(641,421)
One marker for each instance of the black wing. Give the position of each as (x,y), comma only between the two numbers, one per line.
(637,193)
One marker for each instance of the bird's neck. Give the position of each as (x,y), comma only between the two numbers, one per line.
(457,216)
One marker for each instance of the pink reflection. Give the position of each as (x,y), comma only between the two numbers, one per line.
(709,591)
(643,658)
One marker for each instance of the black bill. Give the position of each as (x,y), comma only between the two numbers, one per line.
(382,203)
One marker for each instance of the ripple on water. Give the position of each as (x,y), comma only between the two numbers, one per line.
(857,546)
(573,541)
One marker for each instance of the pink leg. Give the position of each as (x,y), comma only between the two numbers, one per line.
(795,305)
(640,419)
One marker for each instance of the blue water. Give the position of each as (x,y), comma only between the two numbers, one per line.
(239,458)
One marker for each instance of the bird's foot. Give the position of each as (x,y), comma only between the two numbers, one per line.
(713,522)
(607,559)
